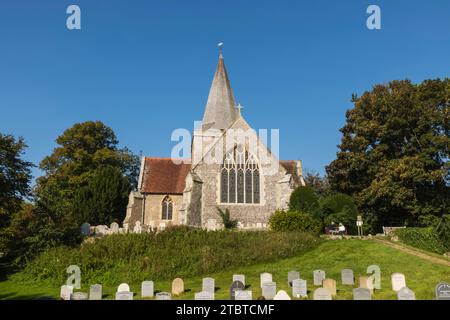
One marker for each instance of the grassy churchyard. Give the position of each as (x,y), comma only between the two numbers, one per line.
(331,256)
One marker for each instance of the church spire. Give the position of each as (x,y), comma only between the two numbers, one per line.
(220,111)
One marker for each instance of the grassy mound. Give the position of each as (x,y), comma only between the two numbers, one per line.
(178,252)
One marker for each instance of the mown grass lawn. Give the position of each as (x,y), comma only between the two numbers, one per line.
(332,256)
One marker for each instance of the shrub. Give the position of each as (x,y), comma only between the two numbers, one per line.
(442,229)
(303,199)
(339,208)
(422,238)
(294,221)
(228,223)
(175,252)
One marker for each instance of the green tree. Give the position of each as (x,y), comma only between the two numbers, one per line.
(319,184)
(394,152)
(339,208)
(304,199)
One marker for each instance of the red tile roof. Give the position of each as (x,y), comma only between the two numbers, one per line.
(162,175)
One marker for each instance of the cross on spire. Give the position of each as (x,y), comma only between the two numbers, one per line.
(239,107)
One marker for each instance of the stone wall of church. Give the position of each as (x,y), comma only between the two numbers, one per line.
(153,210)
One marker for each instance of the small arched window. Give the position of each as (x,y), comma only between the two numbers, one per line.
(239,177)
(167,208)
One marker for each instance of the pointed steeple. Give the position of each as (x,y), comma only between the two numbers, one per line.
(220,111)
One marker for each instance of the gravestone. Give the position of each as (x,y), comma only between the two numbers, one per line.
(398,281)
(208,284)
(177,286)
(86,229)
(162,226)
(79,296)
(137,227)
(211,225)
(281,295)
(147,289)
(123,287)
(114,228)
(243,295)
(347,277)
(322,294)
(319,276)
(163,296)
(95,292)
(66,292)
(443,291)
(269,290)
(265,277)
(124,295)
(366,282)
(406,293)
(362,294)
(101,230)
(292,275)
(330,285)
(204,295)
(239,277)
(299,288)
(236,285)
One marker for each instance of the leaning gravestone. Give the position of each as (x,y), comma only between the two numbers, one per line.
(281,295)
(235,286)
(114,228)
(406,293)
(208,284)
(204,295)
(269,290)
(163,296)
(398,281)
(330,285)
(177,286)
(319,276)
(124,295)
(292,275)
(362,294)
(347,277)
(239,277)
(123,287)
(79,296)
(95,292)
(66,292)
(86,229)
(322,294)
(299,288)
(443,291)
(243,295)
(147,289)
(265,277)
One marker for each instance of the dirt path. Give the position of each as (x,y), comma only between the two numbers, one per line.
(416,253)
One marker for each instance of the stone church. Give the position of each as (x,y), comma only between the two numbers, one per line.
(230,168)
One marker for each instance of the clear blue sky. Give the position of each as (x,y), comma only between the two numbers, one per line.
(145,67)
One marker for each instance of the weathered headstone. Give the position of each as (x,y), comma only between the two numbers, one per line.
(330,285)
(398,281)
(292,275)
(147,289)
(204,295)
(443,291)
(124,295)
(239,277)
(177,286)
(101,230)
(281,295)
(66,292)
(299,288)
(86,229)
(322,294)
(236,285)
(114,228)
(123,287)
(79,296)
(366,282)
(137,227)
(265,277)
(208,284)
(163,296)
(211,225)
(362,294)
(406,293)
(243,295)
(269,290)
(319,276)
(347,277)
(95,292)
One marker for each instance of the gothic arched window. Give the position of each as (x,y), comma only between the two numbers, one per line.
(167,208)
(239,177)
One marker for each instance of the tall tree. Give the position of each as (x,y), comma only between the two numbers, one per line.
(394,152)
(318,183)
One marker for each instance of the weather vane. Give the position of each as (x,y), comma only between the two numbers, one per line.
(220,45)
